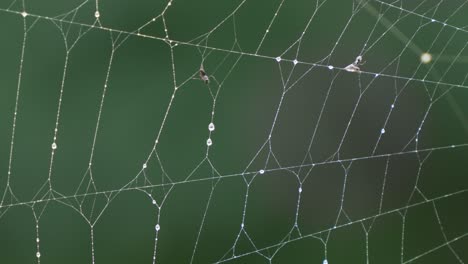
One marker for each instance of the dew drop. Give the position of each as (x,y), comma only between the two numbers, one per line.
(382,131)
(154,201)
(262,171)
(295,62)
(145,166)
(325,261)
(38,254)
(97,14)
(209,142)
(330,67)
(24,14)
(278,59)
(54,145)
(158,227)
(211,127)
(300,189)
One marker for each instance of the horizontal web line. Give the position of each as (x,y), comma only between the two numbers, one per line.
(241,52)
(436,248)
(422,16)
(356,222)
(110,192)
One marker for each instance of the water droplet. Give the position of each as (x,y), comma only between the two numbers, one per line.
(154,201)
(330,67)
(145,166)
(24,14)
(382,131)
(211,127)
(54,145)
(97,14)
(325,261)
(300,189)
(37,240)
(158,227)
(262,171)
(38,254)
(278,59)
(295,62)
(209,142)
(393,106)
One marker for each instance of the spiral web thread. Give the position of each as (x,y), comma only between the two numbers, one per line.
(294,70)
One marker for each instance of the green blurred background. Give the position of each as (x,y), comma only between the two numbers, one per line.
(139,90)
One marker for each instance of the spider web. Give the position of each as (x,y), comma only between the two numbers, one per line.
(114,150)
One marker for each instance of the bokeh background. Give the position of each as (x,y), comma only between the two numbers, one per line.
(390,189)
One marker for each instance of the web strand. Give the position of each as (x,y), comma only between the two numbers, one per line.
(294,139)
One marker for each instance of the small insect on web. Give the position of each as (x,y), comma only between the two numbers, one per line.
(354,67)
(203,76)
